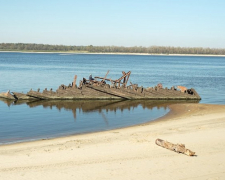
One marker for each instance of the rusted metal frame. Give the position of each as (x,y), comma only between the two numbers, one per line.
(122,77)
(124,80)
(105,77)
(118,80)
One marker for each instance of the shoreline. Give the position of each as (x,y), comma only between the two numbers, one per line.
(128,153)
(137,54)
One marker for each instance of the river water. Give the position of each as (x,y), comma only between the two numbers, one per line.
(25,121)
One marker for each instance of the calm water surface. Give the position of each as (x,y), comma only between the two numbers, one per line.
(45,119)
(19,72)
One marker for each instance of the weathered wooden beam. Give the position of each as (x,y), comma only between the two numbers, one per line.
(74,81)
(7,95)
(107,91)
(179,148)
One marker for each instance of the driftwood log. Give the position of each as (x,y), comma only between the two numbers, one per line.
(179,148)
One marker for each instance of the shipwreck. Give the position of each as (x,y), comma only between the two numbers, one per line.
(105,88)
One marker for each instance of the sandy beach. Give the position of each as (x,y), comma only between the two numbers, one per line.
(129,153)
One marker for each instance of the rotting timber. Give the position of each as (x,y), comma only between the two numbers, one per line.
(98,88)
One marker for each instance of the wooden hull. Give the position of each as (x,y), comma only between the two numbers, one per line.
(94,89)
(99,92)
(7,95)
(22,96)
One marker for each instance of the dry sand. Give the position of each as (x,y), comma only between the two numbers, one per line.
(129,153)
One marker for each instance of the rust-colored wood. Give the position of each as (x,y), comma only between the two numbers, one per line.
(127,78)
(118,81)
(182,88)
(105,77)
(126,74)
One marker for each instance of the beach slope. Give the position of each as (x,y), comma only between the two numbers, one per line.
(129,153)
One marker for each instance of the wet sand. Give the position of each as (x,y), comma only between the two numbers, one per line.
(129,153)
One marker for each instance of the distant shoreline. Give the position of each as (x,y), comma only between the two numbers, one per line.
(140,54)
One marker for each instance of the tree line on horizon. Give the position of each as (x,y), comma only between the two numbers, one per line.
(110,49)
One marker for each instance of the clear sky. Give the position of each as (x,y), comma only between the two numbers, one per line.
(184,23)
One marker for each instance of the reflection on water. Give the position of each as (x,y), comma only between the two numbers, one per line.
(88,106)
(27,120)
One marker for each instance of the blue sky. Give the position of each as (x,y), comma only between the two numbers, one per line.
(184,23)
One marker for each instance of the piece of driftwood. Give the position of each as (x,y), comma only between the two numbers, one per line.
(179,148)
